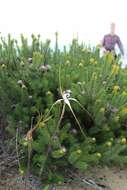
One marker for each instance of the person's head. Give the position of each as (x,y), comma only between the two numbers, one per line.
(112,28)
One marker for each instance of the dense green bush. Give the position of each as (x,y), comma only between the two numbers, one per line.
(87,130)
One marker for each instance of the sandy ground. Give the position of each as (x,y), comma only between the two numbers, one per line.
(106,179)
(114,178)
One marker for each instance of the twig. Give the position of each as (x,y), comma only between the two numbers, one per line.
(17,152)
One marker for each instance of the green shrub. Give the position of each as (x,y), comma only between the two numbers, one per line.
(92,131)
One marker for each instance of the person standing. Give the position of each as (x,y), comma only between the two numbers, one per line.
(111,40)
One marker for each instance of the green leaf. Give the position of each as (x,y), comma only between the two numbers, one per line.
(81,165)
(58,154)
(74,156)
(39,159)
(46,187)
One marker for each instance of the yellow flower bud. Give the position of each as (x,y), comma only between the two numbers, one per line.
(79,151)
(123,141)
(116,88)
(93,139)
(3,66)
(67,62)
(49,93)
(124,93)
(94,76)
(123,111)
(109,144)
(92,60)
(102,110)
(99,155)
(80,64)
(115,69)
(98,100)
(21,171)
(95,62)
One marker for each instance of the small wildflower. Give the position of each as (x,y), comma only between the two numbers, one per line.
(74,131)
(42,68)
(48,67)
(30,60)
(104,82)
(20,82)
(64,150)
(79,83)
(45,68)
(112,108)
(23,86)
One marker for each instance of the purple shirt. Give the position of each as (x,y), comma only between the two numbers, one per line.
(110,41)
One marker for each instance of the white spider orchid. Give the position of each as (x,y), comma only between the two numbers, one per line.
(66,98)
(66,95)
